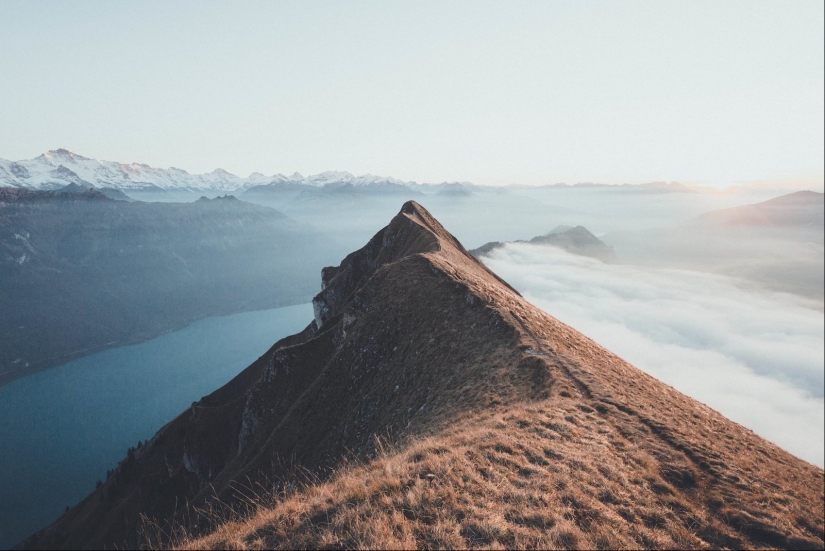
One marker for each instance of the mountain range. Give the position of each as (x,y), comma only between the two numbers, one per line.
(57,168)
(428,404)
(60,167)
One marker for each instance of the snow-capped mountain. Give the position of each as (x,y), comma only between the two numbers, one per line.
(336,178)
(58,168)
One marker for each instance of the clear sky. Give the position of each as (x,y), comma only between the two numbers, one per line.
(491,92)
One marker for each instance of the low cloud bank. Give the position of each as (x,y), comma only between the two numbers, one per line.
(756,357)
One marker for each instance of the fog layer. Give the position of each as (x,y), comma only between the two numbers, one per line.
(756,356)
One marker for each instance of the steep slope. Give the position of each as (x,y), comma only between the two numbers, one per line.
(80,272)
(505,426)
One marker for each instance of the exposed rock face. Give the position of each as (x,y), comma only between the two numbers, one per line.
(415,338)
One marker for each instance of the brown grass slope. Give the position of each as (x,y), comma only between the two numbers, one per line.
(505,428)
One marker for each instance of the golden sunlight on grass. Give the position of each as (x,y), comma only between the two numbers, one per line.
(535,477)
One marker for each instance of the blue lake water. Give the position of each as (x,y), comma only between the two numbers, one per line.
(61,429)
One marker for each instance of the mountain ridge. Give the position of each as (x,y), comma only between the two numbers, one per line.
(416,341)
(57,168)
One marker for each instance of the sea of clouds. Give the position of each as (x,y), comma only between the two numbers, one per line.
(755,356)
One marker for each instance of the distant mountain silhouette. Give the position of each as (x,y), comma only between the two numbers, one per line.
(802,209)
(454,190)
(777,244)
(577,240)
(111,193)
(429,405)
(80,272)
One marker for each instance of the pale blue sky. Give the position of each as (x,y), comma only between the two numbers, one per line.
(491,92)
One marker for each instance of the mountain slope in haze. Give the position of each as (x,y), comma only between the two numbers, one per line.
(504,427)
(798,210)
(475,213)
(647,188)
(776,244)
(577,240)
(80,272)
(111,193)
(328,181)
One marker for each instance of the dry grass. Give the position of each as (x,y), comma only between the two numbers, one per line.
(535,477)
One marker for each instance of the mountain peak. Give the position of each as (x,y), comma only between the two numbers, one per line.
(221,172)
(63,155)
(412,232)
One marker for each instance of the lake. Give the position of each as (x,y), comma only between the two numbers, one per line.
(61,429)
